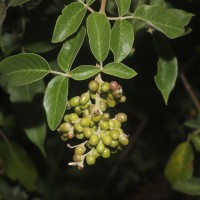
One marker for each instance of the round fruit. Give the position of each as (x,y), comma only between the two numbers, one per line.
(84,98)
(95,153)
(105,87)
(91,109)
(117,93)
(121,117)
(93,85)
(78,128)
(103,106)
(73,102)
(94,140)
(111,103)
(104,125)
(100,147)
(80,150)
(77,158)
(73,117)
(80,136)
(90,159)
(105,117)
(106,140)
(77,110)
(66,118)
(113,85)
(64,127)
(111,124)
(122,99)
(114,143)
(96,118)
(87,132)
(123,140)
(117,124)
(84,107)
(114,134)
(106,153)
(85,122)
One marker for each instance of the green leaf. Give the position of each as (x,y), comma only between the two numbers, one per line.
(119,70)
(158,3)
(167,68)
(196,141)
(84,72)
(39,47)
(98,28)
(190,186)
(55,100)
(15,3)
(69,21)
(24,68)
(161,19)
(180,164)
(183,16)
(122,37)
(193,123)
(90,2)
(29,112)
(123,6)
(138,3)
(70,50)
(18,165)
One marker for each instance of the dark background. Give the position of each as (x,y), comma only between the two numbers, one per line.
(155,129)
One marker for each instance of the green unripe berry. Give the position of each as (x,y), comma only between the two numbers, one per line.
(123,139)
(105,117)
(77,157)
(92,95)
(100,147)
(94,128)
(74,102)
(85,122)
(95,153)
(117,93)
(105,87)
(84,107)
(111,124)
(111,103)
(96,118)
(106,153)
(80,150)
(63,138)
(117,123)
(110,96)
(104,125)
(64,127)
(114,143)
(107,140)
(89,145)
(93,85)
(80,136)
(121,117)
(113,85)
(90,159)
(91,109)
(78,110)
(114,134)
(73,117)
(78,128)
(122,99)
(87,132)
(84,98)
(94,140)
(66,118)
(120,130)
(103,106)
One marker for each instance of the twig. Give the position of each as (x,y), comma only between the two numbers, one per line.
(189,90)
(103,6)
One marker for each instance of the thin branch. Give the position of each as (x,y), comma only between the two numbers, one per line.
(59,73)
(103,6)
(190,90)
(88,7)
(117,18)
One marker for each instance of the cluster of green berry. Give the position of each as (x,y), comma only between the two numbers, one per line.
(91,122)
